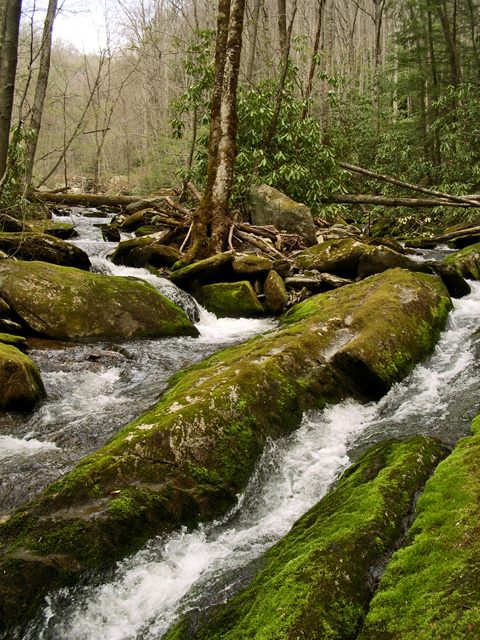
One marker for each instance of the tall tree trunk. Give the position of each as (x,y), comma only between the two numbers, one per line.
(253,44)
(211,221)
(8,67)
(449,32)
(313,63)
(40,90)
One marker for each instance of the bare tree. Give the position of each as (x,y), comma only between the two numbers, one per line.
(211,221)
(40,89)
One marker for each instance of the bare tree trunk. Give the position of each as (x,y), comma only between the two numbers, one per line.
(285,39)
(253,44)
(211,221)
(8,66)
(40,90)
(313,64)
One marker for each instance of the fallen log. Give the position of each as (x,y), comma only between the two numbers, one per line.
(87,199)
(347,198)
(406,185)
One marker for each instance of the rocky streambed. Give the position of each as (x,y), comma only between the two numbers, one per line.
(186,459)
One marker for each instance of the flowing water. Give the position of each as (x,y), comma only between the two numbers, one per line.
(190,570)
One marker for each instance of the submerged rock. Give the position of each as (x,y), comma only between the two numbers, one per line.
(67,304)
(186,459)
(431,587)
(270,206)
(37,246)
(21,386)
(230,299)
(319,576)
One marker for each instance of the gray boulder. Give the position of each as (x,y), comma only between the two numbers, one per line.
(270,206)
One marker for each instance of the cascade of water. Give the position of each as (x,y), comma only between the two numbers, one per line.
(190,570)
(95,390)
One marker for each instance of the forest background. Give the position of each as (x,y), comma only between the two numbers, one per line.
(392,85)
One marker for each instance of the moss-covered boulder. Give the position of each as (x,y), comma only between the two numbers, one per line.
(186,459)
(340,257)
(317,581)
(66,304)
(21,386)
(194,275)
(466,262)
(9,224)
(230,299)
(381,258)
(252,266)
(62,230)
(15,341)
(431,587)
(148,250)
(270,206)
(275,293)
(37,246)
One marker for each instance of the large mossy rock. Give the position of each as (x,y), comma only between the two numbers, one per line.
(69,304)
(276,296)
(186,459)
(340,257)
(466,262)
(230,299)
(270,206)
(148,250)
(381,258)
(316,582)
(431,587)
(36,246)
(21,386)
(194,275)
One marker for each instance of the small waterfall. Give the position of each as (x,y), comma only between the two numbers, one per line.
(188,571)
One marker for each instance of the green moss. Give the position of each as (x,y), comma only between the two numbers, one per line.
(466,261)
(315,580)
(431,588)
(230,299)
(196,448)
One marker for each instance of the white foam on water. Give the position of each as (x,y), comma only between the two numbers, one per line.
(10,446)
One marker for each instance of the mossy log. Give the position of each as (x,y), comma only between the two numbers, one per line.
(186,459)
(318,580)
(431,588)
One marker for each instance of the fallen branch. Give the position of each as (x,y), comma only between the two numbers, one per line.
(346,198)
(184,243)
(85,199)
(177,206)
(195,192)
(405,185)
(260,244)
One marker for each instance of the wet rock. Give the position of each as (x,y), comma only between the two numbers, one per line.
(457,287)
(110,233)
(275,293)
(230,300)
(269,206)
(466,262)
(62,230)
(312,282)
(464,241)
(421,243)
(9,326)
(338,231)
(21,386)
(385,242)
(340,257)
(382,258)
(186,459)
(4,308)
(204,270)
(66,304)
(431,586)
(35,246)
(319,576)
(139,252)
(331,281)
(15,341)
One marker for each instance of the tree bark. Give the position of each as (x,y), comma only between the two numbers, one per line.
(8,66)
(40,90)
(313,63)
(211,221)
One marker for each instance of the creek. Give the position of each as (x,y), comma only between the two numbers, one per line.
(142,596)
